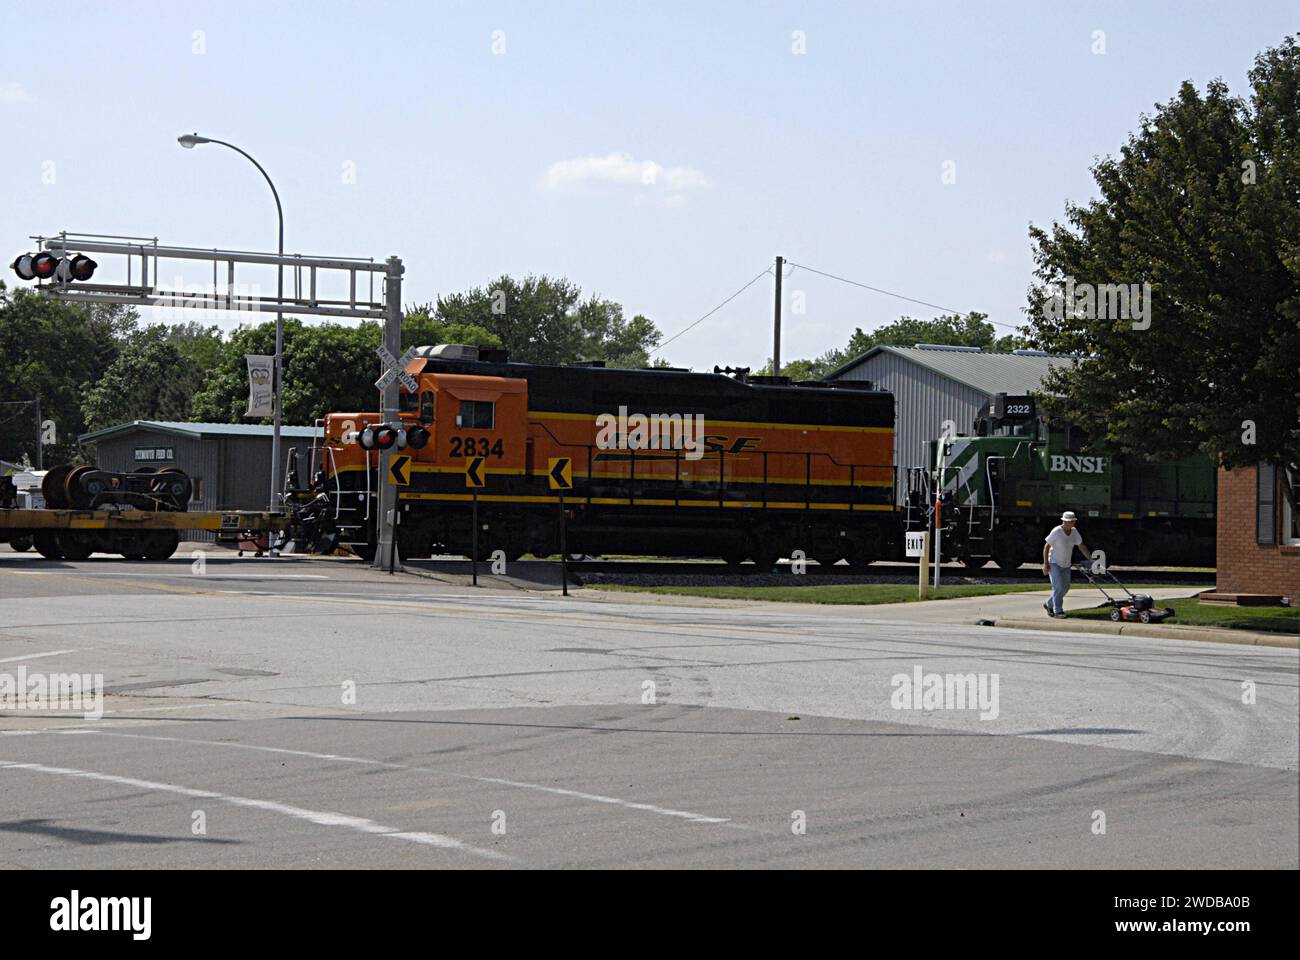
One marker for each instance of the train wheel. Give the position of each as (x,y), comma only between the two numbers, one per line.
(52,487)
(765,561)
(47,545)
(175,487)
(73,494)
(21,544)
(75,544)
(161,544)
(974,563)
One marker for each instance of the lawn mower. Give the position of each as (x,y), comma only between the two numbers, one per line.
(1139,607)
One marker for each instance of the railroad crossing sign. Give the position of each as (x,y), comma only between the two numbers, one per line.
(395,369)
(561,475)
(399,470)
(474,472)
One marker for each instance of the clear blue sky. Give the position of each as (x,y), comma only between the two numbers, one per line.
(471,162)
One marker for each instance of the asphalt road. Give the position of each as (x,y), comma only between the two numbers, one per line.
(312,713)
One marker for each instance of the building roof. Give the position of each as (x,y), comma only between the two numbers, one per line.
(1013,373)
(198,430)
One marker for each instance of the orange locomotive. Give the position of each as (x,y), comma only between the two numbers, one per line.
(664,462)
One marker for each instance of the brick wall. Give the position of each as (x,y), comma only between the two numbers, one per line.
(1245,566)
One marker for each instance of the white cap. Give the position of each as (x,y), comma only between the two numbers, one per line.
(1068,515)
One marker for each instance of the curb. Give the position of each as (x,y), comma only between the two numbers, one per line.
(1210,634)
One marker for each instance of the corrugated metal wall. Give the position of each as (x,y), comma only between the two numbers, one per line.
(229,473)
(923,400)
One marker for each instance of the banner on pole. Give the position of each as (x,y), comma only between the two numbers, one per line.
(261,393)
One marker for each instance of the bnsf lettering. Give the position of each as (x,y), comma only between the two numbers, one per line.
(718,444)
(1065,464)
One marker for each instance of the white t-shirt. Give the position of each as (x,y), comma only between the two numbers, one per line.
(1063,545)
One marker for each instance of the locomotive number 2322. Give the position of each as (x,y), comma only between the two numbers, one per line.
(476,447)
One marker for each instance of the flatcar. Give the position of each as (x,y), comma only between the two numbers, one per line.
(664,461)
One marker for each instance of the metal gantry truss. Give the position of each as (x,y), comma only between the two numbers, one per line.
(142,256)
(141,289)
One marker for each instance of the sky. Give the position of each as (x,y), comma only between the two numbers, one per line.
(657,154)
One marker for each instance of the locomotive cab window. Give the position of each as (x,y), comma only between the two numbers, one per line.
(426,407)
(476,415)
(408,402)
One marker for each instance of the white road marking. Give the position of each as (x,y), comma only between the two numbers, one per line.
(594,797)
(172,576)
(36,656)
(597,798)
(324,818)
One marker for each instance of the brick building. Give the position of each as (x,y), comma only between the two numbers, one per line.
(1258,544)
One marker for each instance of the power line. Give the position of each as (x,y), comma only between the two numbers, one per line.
(713,311)
(890,293)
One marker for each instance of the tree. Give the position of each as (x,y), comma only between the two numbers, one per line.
(1202,204)
(327,366)
(545,320)
(151,379)
(57,352)
(969,330)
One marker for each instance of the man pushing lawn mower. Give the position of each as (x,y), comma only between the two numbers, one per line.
(1058,552)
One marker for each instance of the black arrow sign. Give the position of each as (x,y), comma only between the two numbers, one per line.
(473,477)
(561,477)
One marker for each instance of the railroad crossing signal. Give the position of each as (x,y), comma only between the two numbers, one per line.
(45,266)
(561,475)
(395,369)
(474,476)
(399,470)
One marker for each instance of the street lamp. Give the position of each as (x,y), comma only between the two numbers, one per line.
(189,141)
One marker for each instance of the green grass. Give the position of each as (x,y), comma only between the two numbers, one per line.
(1192,613)
(863,593)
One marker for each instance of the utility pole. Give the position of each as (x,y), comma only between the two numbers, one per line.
(40,437)
(388,502)
(776,320)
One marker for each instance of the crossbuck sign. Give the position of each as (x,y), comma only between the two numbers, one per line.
(395,369)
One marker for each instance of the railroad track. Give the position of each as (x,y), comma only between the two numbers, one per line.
(876,570)
(610,570)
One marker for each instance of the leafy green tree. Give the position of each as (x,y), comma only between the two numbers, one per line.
(969,330)
(58,352)
(545,320)
(1203,204)
(199,343)
(327,366)
(151,379)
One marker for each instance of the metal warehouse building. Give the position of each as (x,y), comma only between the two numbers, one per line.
(932,384)
(230,463)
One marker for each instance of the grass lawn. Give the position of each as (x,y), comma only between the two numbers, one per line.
(1192,613)
(866,593)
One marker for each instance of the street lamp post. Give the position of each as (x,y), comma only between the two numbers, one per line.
(189,141)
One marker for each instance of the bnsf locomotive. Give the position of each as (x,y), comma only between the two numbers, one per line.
(1005,486)
(778,468)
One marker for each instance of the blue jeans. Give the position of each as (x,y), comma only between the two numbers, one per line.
(1060,585)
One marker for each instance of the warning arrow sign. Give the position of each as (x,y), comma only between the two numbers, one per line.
(399,471)
(474,476)
(561,475)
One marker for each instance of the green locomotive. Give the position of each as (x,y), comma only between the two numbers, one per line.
(1005,487)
